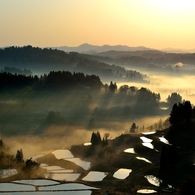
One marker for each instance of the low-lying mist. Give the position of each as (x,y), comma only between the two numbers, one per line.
(59,119)
(167,84)
(63,137)
(55,137)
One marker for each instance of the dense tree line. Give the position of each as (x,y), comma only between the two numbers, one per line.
(90,99)
(62,79)
(127,101)
(10,81)
(52,81)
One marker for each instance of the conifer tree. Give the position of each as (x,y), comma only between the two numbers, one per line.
(19,156)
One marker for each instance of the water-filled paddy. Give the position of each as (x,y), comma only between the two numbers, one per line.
(122,173)
(130,150)
(148,145)
(53,168)
(146,191)
(57,174)
(83,192)
(63,176)
(62,154)
(44,187)
(67,186)
(145,139)
(11,187)
(153,180)
(37,182)
(162,139)
(144,159)
(84,164)
(87,144)
(149,133)
(94,176)
(147,142)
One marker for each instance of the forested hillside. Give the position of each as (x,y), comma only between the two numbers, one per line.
(151,60)
(74,99)
(45,60)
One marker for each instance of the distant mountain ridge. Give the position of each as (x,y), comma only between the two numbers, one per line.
(92,49)
(174,50)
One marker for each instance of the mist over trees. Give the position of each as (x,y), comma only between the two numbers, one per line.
(45,60)
(59,80)
(79,99)
(23,168)
(151,60)
(173,98)
(133,128)
(19,156)
(55,118)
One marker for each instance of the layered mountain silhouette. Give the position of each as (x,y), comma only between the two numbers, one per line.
(93,49)
(90,49)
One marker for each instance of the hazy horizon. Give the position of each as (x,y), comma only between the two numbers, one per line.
(47,23)
(59,47)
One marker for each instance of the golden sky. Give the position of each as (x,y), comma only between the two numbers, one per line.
(151,23)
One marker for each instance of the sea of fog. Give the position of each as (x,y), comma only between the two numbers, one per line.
(167,84)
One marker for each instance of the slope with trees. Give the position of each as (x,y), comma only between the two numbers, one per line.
(45,60)
(177,159)
(81,99)
(28,168)
(152,60)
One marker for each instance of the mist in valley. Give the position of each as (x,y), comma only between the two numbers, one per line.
(82,111)
(97,97)
(60,120)
(96,111)
(56,120)
(165,84)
